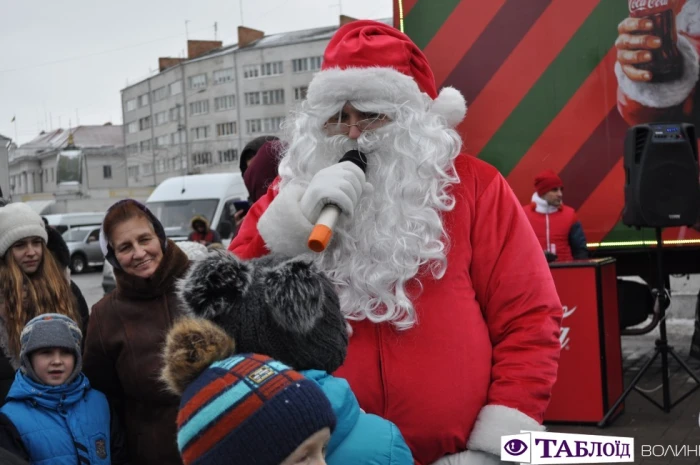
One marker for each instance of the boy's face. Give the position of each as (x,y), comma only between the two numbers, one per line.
(52,365)
(312,451)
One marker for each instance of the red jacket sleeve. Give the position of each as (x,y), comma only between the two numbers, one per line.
(248,242)
(515,289)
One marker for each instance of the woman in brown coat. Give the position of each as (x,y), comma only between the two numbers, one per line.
(128,327)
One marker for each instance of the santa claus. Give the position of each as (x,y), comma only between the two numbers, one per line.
(453,312)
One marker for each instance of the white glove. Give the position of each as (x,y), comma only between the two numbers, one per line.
(470,457)
(340,184)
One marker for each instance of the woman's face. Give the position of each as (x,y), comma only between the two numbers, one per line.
(28,253)
(136,247)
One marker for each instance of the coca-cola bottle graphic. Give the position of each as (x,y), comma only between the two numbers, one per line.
(666,61)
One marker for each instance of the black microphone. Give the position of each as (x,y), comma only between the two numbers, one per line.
(323,229)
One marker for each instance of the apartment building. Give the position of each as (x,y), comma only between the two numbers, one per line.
(196,114)
(32,166)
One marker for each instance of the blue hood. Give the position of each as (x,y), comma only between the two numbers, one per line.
(344,403)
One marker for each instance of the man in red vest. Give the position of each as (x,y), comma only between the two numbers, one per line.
(454,316)
(558,229)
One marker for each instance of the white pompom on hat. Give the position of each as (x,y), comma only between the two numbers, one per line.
(18,221)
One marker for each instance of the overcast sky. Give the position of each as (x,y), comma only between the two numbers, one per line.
(66,61)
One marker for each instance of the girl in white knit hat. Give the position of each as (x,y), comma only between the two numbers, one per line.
(31,282)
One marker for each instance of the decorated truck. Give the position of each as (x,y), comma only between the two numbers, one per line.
(547,89)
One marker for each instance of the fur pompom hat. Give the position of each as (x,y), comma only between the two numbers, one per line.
(281,307)
(242,408)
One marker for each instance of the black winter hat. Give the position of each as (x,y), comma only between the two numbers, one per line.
(277,306)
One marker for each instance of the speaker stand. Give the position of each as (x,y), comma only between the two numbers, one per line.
(661,348)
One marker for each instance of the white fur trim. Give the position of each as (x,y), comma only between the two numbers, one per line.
(451,105)
(283,226)
(364,84)
(665,94)
(688,20)
(495,421)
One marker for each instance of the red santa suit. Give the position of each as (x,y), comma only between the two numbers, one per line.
(642,102)
(482,358)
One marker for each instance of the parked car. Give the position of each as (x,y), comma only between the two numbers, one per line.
(84,248)
(62,222)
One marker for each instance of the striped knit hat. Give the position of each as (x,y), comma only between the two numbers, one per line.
(249,409)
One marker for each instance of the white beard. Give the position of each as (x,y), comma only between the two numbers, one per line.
(396,231)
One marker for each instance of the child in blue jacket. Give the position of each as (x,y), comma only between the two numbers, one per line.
(288,310)
(59,418)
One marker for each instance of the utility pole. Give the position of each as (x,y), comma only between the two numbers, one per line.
(152,144)
(179,136)
(216,32)
(240,5)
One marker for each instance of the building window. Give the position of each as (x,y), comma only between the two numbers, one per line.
(252,98)
(175,88)
(133,171)
(176,163)
(271,69)
(201,158)
(222,75)
(176,138)
(53,175)
(197,82)
(161,118)
(147,169)
(145,123)
(174,113)
(145,145)
(228,156)
(300,93)
(226,129)
(131,105)
(251,71)
(253,126)
(107,171)
(273,97)
(272,124)
(199,133)
(200,107)
(131,149)
(225,102)
(132,127)
(162,140)
(160,94)
(143,100)
(161,166)
(302,65)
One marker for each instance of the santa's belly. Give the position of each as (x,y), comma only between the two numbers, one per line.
(431,381)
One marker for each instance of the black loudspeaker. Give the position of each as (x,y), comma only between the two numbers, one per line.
(661,176)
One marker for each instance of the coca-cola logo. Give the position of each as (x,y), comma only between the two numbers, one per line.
(564,335)
(635,5)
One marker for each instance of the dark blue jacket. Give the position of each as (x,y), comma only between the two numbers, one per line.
(67,424)
(359,438)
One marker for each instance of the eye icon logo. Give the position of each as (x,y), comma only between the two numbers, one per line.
(515,447)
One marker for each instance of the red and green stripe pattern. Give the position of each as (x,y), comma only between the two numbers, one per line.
(538,76)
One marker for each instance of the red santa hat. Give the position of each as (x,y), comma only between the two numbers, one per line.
(368,60)
(546,181)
